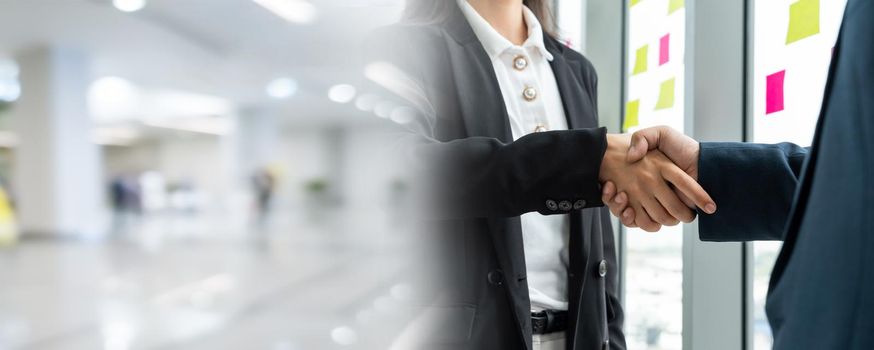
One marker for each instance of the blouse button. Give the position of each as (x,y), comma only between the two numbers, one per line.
(520,63)
(530,94)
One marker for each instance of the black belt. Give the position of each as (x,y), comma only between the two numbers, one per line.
(548,321)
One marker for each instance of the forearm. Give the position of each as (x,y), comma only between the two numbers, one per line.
(753,185)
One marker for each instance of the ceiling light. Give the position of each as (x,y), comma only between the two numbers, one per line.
(282,88)
(366,102)
(10,90)
(344,336)
(403,115)
(294,11)
(10,87)
(129,5)
(342,93)
(384,109)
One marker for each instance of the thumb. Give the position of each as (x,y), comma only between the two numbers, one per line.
(639,147)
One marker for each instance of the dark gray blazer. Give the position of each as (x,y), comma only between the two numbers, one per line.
(819,201)
(484,181)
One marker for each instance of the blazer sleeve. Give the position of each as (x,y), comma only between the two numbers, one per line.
(753,186)
(468,177)
(549,172)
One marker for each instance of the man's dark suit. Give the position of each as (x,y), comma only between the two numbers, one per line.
(486,180)
(819,201)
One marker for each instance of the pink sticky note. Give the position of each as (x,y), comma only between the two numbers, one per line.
(665,49)
(774,97)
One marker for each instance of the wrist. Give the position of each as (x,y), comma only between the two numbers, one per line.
(614,155)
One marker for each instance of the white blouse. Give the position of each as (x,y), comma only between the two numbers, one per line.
(534,104)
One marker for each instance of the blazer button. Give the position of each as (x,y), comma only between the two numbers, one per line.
(551,205)
(602,268)
(565,206)
(496,278)
(580,204)
(606,345)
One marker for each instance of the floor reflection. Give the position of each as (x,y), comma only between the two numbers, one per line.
(206,283)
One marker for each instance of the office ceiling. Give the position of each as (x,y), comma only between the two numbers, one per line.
(226,48)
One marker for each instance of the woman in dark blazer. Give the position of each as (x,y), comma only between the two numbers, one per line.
(509,145)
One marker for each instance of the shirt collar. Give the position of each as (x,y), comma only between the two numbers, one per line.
(494,43)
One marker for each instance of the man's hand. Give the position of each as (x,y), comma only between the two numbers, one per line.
(681,150)
(644,184)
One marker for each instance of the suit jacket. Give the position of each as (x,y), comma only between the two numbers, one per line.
(820,201)
(483,181)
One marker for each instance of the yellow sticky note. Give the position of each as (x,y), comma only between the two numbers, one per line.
(632,111)
(666,95)
(640,60)
(803,20)
(633,2)
(674,5)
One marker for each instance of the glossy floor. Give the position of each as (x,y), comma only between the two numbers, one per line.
(159,286)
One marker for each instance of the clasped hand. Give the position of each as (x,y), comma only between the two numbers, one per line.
(650,178)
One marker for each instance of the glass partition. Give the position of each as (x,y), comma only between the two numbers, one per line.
(654,96)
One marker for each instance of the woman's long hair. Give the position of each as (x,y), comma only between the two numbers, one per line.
(437,11)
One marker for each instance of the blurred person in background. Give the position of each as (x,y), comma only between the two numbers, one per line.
(263,186)
(508,134)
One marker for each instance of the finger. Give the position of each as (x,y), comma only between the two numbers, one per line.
(644,221)
(628,217)
(672,203)
(608,196)
(608,192)
(690,188)
(643,141)
(689,203)
(657,212)
(621,198)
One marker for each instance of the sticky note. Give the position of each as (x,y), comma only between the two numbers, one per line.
(632,111)
(774,92)
(803,20)
(633,2)
(666,95)
(665,49)
(674,5)
(640,60)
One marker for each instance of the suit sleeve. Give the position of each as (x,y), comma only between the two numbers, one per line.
(753,186)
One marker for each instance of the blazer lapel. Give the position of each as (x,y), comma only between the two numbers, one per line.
(575,98)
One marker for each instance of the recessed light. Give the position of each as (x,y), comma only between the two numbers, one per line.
(294,11)
(129,5)
(282,88)
(342,93)
(366,102)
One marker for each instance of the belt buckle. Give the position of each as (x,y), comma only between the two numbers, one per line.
(542,321)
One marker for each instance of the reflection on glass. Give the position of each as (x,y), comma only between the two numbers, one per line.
(655,95)
(789,75)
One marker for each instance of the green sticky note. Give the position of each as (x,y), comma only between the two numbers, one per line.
(640,60)
(633,2)
(674,5)
(666,95)
(803,20)
(632,111)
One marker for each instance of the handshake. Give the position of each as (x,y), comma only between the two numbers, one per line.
(650,178)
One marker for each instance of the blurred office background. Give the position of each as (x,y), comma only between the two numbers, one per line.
(201,174)
(195,174)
